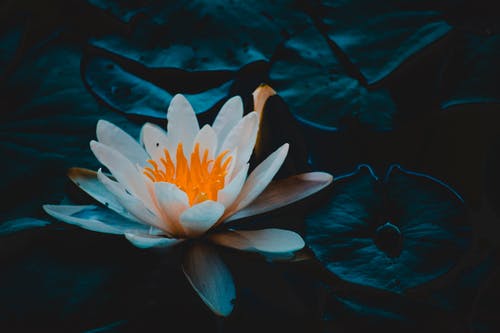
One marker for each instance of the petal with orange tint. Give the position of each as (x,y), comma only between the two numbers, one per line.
(270,240)
(260,96)
(283,192)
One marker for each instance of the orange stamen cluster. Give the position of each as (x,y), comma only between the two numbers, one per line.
(201,178)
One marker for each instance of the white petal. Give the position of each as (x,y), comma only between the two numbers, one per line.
(199,218)
(228,117)
(182,124)
(265,240)
(125,172)
(260,96)
(114,137)
(172,201)
(88,182)
(260,177)
(132,204)
(232,170)
(145,241)
(155,140)
(210,278)
(243,137)
(283,192)
(230,192)
(232,239)
(207,138)
(93,218)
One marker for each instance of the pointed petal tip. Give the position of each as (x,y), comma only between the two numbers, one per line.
(316,176)
(101,123)
(149,241)
(252,115)
(178,95)
(47,208)
(235,99)
(264,88)
(55,210)
(178,99)
(266,241)
(75,171)
(285,146)
(261,95)
(95,146)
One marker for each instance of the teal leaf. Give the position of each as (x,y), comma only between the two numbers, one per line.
(393,234)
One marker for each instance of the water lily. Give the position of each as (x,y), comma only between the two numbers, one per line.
(186,183)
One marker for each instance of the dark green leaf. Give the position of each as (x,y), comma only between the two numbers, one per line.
(379,37)
(471,76)
(310,78)
(203,35)
(393,234)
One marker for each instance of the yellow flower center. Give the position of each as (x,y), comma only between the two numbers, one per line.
(201,178)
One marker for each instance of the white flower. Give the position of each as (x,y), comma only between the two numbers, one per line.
(185,182)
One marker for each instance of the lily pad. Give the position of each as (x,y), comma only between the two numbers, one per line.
(66,285)
(125,10)
(316,86)
(393,234)
(380,37)
(204,35)
(49,120)
(131,94)
(124,91)
(386,313)
(472,72)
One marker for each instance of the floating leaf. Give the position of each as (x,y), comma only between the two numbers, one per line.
(310,78)
(472,72)
(387,313)
(379,38)
(64,281)
(394,234)
(16,235)
(204,35)
(49,120)
(124,91)
(131,94)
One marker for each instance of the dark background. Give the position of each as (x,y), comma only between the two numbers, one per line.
(361,81)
